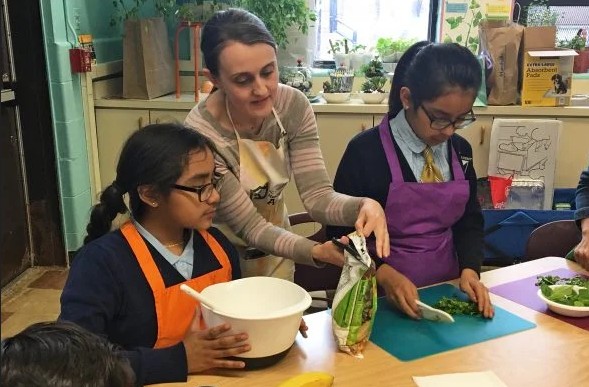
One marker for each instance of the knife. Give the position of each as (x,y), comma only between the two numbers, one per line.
(433,314)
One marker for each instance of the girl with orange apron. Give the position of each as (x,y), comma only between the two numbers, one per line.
(174,309)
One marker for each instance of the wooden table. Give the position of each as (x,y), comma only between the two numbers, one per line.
(543,356)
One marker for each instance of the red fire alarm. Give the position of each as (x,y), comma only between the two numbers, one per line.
(80,60)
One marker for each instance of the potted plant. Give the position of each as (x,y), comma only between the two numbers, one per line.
(199,11)
(299,77)
(539,14)
(390,50)
(347,54)
(578,43)
(540,25)
(339,87)
(372,90)
(280,15)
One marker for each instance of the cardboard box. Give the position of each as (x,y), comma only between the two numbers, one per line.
(547,77)
(539,38)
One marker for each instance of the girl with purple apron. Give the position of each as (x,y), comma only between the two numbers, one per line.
(420,217)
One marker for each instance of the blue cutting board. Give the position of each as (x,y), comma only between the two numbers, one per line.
(409,339)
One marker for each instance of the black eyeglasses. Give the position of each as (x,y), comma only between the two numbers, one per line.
(442,123)
(204,191)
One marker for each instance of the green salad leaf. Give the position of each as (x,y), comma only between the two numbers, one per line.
(453,306)
(566,295)
(578,280)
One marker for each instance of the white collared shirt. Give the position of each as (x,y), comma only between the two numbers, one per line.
(183,263)
(412,148)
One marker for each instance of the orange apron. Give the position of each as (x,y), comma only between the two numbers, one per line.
(173,308)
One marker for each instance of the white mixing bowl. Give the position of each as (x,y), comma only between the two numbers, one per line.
(268,309)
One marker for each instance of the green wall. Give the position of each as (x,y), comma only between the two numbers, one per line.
(92,17)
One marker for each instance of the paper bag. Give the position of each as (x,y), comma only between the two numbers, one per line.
(354,303)
(148,67)
(502,42)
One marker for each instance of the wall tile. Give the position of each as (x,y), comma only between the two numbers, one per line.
(71,139)
(74,175)
(77,214)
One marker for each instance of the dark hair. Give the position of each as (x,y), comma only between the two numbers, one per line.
(235,25)
(154,155)
(430,69)
(62,354)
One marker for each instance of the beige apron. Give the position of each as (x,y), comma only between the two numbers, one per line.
(264,173)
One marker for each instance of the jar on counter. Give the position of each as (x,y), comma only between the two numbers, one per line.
(299,77)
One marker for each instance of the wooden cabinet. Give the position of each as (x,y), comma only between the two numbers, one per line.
(167,116)
(114,124)
(335,131)
(573,151)
(479,137)
(113,127)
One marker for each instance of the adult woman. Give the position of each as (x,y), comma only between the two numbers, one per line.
(421,172)
(125,284)
(264,133)
(582,217)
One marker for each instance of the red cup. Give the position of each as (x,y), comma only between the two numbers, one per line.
(499,186)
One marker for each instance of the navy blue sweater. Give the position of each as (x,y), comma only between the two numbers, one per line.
(107,293)
(582,197)
(364,171)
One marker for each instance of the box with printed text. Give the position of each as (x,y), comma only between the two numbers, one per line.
(547,76)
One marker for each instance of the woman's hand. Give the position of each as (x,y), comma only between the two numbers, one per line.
(400,291)
(206,349)
(303,328)
(329,253)
(371,218)
(477,292)
(582,249)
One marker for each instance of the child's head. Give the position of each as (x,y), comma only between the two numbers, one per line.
(436,84)
(58,354)
(168,170)
(232,25)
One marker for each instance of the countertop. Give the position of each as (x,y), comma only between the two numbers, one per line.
(354,106)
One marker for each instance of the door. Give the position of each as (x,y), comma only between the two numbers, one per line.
(30,218)
(15,246)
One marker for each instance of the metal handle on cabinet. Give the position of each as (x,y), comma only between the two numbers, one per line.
(157,120)
(483,130)
(140,122)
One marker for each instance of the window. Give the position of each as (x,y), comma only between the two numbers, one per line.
(364,21)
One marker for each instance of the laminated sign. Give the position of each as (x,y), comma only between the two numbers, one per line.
(354,303)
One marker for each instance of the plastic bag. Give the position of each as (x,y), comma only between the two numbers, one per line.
(354,303)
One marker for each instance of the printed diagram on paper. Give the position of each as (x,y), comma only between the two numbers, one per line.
(525,149)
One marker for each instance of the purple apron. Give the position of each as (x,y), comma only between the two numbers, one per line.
(420,217)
